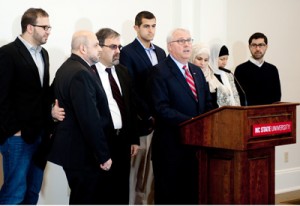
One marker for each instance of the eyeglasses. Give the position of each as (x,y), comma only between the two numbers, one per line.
(183,41)
(113,46)
(262,45)
(45,27)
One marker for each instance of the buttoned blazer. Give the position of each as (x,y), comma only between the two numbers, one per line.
(24,103)
(80,140)
(173,103)
(136,60)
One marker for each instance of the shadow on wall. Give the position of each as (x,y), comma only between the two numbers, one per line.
(15,31)
(57,57)
(128,33)
(83,24)
(239,53)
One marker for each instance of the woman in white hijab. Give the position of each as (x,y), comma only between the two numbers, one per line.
(221,94)
(218,60)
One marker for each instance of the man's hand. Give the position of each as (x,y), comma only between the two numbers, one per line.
(107,165)
(57,113)
(134,149)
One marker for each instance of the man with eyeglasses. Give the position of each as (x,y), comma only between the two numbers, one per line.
(258,78)
(24,109)
(122,134)
(179,92)
(139,57)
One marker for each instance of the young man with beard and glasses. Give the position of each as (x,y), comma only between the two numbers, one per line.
(258,78)
(24,109)
(139,57)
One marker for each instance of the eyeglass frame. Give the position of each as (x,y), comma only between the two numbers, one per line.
(113,46)
(260,45)
(183,41)
(45,27)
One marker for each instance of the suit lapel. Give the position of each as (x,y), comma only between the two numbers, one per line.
(28,58)
(159,54)
(140,51)
(46,67)
(178,75)
(122,80)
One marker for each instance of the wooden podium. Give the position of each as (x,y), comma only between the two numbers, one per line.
(236,151)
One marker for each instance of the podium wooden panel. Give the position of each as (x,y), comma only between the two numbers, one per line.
(235,165)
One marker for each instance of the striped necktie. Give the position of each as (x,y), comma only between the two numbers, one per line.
(190,81)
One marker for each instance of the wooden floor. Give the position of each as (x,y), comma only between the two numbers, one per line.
(289,198)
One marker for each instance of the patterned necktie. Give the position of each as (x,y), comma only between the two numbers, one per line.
(116,93)
(190,81)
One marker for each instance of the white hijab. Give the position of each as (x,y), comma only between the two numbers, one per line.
(213,82)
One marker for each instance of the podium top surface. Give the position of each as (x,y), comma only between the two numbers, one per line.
(274,105)
(243,127)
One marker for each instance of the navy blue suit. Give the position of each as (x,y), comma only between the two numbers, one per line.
(174,164)
(134,57)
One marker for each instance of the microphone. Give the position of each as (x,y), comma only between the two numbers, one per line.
(241,88)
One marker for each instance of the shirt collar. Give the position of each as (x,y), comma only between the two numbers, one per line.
(257,63)
(101,68)
(180,65)
(151,45)
(36,49)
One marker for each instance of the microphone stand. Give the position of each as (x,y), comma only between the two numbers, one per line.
(241,88)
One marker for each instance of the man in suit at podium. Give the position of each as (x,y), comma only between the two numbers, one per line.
(179,92)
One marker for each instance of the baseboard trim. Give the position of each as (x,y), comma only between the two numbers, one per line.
(287,180)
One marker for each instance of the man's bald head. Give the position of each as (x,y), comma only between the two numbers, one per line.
(80,38)
(86,45)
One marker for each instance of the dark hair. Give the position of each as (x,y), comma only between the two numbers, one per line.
(258,35)
(143,15)
(30,16)
(105,33)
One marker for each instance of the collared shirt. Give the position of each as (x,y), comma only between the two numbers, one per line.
(37,57)
(257,63)
(112,104)
(180,65)
(150,52)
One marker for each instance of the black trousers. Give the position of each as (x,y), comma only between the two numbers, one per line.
(96,186)
(120,169)
(176,180)
(88,186)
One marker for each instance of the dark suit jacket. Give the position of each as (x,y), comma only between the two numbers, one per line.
(134,57)
(130,124)
(129,129)
(24,103)
(174,164)
(80,141)
(174,103)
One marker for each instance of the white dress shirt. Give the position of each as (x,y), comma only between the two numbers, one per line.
(112,104)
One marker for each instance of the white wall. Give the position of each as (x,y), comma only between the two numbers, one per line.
(228,21)
(278,19)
